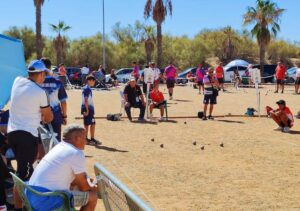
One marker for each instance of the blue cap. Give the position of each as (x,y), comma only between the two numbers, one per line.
(37,66)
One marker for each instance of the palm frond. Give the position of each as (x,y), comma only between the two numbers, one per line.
(148,9)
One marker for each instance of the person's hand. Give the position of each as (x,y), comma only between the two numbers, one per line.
(86,113)
(127,104)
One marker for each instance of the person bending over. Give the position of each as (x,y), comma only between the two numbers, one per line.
(70,175)
(282,116)
(134,99)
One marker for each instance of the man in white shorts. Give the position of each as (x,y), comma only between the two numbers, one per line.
(63,168)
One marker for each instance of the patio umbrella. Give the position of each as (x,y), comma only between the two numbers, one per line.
(238,62)
(12,64)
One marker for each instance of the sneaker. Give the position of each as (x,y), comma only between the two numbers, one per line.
(162,119)
(141,119)
(276,92)
(278,129)
(204,118)
(281,92)
(96,142)
(286,130)
(211,117)
(89,142)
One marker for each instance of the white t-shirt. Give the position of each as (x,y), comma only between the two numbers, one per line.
(298,73)
(57,169)
(85,70)
(149,75)
(156,73)
(27,99)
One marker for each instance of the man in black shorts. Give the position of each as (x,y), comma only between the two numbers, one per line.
(170,75)
(210,93)
(29,106)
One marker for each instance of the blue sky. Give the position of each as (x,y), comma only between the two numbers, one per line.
(189,16)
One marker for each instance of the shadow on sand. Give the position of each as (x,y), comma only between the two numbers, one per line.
(110,149)
(230,121)
(294,132)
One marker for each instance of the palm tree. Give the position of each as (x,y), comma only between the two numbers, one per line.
(38,28)
(228,43)
(265,16)
(149,41)
(158,11)
(60,42)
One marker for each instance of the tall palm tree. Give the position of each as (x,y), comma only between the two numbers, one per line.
(228,43)
(38,27)
(158,9)
(265,16)
(149,41)
(60,42)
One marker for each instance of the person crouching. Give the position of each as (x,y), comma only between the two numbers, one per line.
(158,99)
(282,116)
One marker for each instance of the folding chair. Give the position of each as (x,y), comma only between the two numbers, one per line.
(22,188)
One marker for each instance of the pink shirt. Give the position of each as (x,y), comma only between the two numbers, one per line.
(200,73)
(170,72)
(135,71)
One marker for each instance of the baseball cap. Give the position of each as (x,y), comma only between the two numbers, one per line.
(37,66)
(132,79)
(280,102)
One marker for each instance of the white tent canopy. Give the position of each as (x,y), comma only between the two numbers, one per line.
(238,62)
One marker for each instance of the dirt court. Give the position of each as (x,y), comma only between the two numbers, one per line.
(257,169)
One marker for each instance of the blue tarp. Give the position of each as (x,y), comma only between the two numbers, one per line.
(12,64)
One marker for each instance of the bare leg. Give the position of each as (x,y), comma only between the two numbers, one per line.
(204,109)
(92,202)
(282,87)
(87,130)
(211,108)
(162,111)
(17,199)
(92,129)
(276,119)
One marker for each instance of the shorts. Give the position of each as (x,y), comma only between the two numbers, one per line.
(80,198)
(89,120)
(280,81)
(210,99)
(170,83)
(159,105)
(297,82)
(289,123)
(200,83)
(25,148)
(221,80)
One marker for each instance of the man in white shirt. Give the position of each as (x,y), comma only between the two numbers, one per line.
(148,78)
(297,82)
(29,106)
(156,72)
(84,73)
(64,166)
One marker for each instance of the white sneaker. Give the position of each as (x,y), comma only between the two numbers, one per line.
(278,129)
(151,116)
(162,119)
(286,130)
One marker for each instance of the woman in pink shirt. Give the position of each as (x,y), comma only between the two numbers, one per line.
(170,75)
(200,73)
(135,71)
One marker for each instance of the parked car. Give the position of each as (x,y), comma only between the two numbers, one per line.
(73,73)
(269,72)
(291,75)
(123,75)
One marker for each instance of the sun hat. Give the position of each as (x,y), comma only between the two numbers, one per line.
(37,66)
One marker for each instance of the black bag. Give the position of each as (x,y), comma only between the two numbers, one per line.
(113,117)
(200,114)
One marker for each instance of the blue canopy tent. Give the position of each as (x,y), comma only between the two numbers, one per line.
(12,64)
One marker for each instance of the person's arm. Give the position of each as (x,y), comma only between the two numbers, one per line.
(47,115)
(81,182)
(63,106)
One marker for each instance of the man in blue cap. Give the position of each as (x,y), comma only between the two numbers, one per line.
(29,105)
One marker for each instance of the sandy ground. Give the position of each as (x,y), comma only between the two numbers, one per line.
(257,169)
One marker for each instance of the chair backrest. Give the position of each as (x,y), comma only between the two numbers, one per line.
(22,188)
(115,195)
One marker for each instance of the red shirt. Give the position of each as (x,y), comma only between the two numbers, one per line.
(156,96)
(280,72)
(219,71)
(289,114)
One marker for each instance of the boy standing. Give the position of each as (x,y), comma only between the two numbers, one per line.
(87,110)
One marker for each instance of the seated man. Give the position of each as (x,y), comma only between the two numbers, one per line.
(282,116)
(134,99)
(64,166)
(157,98)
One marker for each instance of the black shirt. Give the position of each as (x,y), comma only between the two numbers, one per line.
(133,94)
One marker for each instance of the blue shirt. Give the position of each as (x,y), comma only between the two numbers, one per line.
(87,94)
(57,94)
